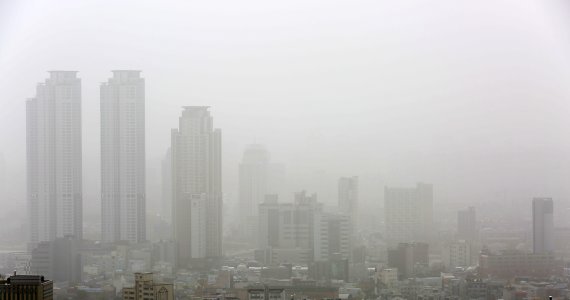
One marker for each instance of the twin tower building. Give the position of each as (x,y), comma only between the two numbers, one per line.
(54,166)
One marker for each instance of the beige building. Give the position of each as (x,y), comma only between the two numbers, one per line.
(146,289)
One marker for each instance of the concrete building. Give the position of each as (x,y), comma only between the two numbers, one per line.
(253,186)
(59,260)
(197,186)
(409,214)
(146,289)
(166,192)
(28,287)
(332,234)
(542,225)
(123,189)
(286,230)
(348,199)
(388,277)
(510,264)
(54,160)
(467,225)
(409,258)
(458,254)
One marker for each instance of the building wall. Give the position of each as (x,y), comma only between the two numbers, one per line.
(409,214)
(196,174)
(54,158)
(123,189)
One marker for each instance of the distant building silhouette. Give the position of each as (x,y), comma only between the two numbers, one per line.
(197,190)
(409,258)
(286,230)
(467,225)
(348,198)
(28,287)
(54,158)
(123,192)
(542,225)
(146,289)
(166,201)
(331,236)
(59,260)
(409,214)
(253,186)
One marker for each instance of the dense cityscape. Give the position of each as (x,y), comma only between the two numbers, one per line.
(177,231)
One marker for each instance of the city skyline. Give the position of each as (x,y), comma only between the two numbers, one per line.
(255,150)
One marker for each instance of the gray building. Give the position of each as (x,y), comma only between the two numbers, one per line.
(348,198)
(253,186)
(197,186)
(59,260)
(123,194)
(287,230)
(542,225)
(332,234)
(166,192)
(54,166)
(409,214)
(467,225)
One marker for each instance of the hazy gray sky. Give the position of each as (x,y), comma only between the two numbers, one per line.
(473,96)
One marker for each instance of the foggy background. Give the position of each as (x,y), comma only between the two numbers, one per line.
(473,97)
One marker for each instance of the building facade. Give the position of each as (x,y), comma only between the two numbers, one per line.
(332,234)
(123,168)
(409,214)
(26,287)
(197,186)
(348,199)
(286,230)
(467,225)
(54,159)
(253,186)
(542,225)
(146,289)
(458,254)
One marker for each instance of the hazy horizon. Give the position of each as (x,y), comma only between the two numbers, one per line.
(471,97)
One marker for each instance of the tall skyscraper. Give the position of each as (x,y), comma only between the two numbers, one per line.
(348,198)
(542,225)
(253,186)
(197,186)
(123,190)
(467,225)
(166,201)
(409,214)
(54,167)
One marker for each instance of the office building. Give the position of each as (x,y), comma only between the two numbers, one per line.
(331,236)
(123,194)
(196,183)
(146,289)
(59,260)
(510,264)
(54,161)
(286,230)
(348,198)
(409,258)
(166,199)
(253,186)
(26,287)
(409,214)
(467,225)
(458,255)
(542,225)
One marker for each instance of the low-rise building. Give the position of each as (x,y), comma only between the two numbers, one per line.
(146,289)
(29,287)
